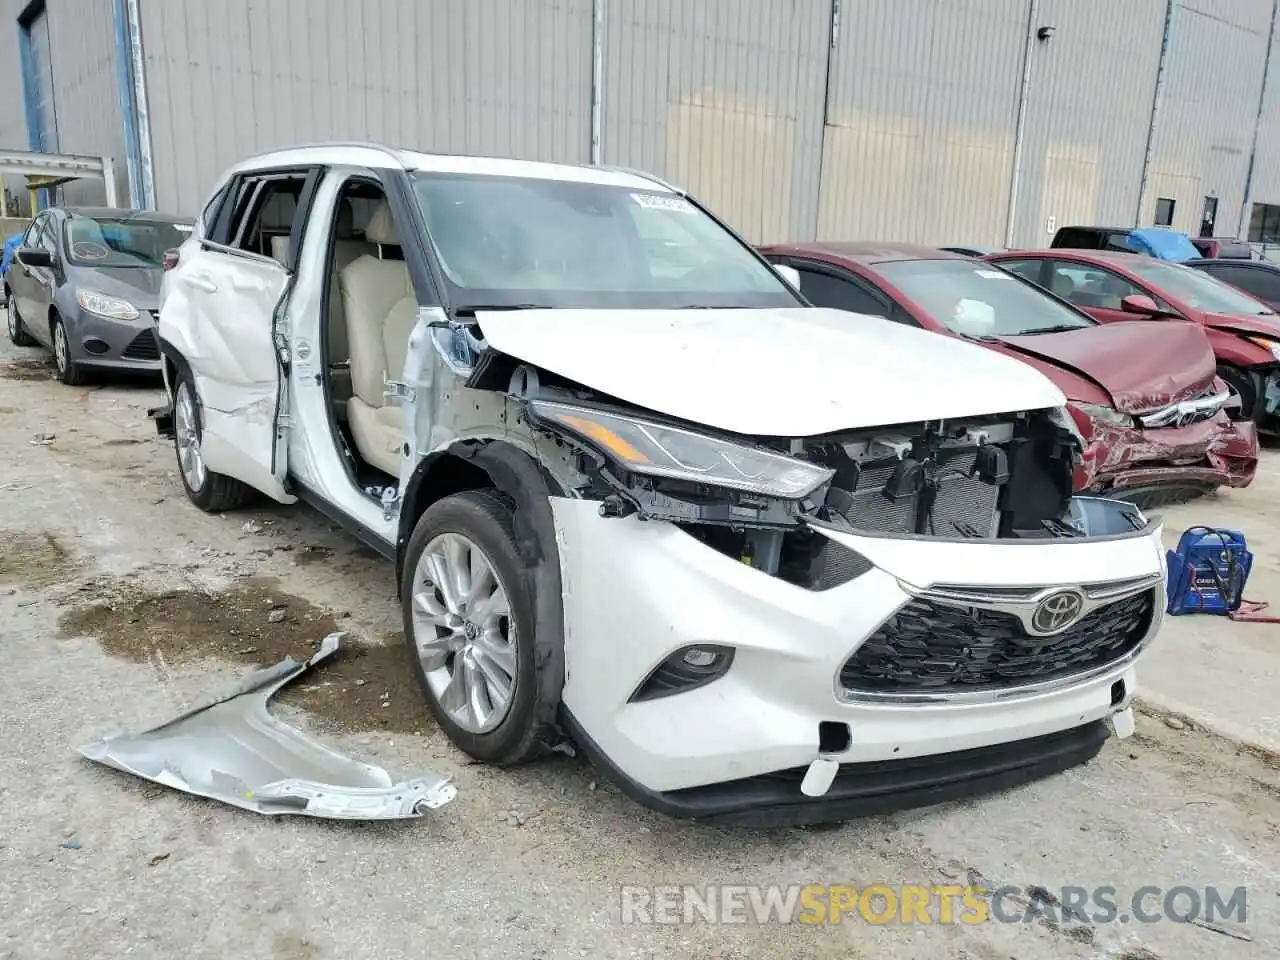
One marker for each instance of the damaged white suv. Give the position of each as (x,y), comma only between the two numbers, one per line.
(764,563)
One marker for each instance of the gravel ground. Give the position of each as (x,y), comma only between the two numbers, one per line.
(123,604)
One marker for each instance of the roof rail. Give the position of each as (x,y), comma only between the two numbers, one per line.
(645,175)
(391,152)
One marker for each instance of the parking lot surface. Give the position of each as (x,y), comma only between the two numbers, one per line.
(123,604)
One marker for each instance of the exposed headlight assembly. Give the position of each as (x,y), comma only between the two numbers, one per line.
(104,306)
(657,450)
(1265,344)
(1108,415)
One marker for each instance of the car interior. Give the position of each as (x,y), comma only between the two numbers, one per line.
(370,312)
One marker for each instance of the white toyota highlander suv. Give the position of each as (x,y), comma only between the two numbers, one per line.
(764,563)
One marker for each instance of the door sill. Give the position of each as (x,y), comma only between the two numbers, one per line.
(348,523)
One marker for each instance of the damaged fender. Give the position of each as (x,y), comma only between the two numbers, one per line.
(232,749)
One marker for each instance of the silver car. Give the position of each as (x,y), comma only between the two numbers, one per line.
(85,283)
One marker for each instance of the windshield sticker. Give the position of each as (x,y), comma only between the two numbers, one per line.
(182,227)
(994,275)
(661,201)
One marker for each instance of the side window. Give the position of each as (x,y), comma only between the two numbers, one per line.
(209,215)
(48,235)
(1119,242)
(1261,283)
(1088,286)
(1027,269)
(267,222)
(32,237)
(1076,239)
(825,290)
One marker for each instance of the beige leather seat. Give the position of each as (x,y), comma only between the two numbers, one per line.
(346,250)
(381,310)
(280,250)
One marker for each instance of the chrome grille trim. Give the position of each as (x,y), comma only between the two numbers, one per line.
(1187,412)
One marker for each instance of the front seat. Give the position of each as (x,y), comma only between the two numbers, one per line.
(381,310)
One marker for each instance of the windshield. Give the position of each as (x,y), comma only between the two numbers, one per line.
(978,299)
(1196,288)
(94,242)
(513,241)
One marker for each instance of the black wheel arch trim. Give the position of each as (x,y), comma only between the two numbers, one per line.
(519,476)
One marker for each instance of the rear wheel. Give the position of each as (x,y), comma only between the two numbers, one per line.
(18,335)
(211,492)
(469,625)
(69,372)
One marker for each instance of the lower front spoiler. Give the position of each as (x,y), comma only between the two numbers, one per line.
(862,789)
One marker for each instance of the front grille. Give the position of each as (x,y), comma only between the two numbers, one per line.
(144,346)
(931,647)
(962,501)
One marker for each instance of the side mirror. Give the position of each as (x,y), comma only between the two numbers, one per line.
(789,274)
(34,257)
(1140,304)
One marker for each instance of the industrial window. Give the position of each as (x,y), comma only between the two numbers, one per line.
(1164,212)
(1264,223)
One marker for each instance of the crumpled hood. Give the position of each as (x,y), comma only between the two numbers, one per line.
(1143,365)
(1263,325)
(786,372)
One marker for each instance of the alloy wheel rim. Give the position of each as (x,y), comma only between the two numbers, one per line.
(463,632)
(60,346)
(190,460)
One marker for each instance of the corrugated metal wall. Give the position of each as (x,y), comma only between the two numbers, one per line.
(903,128)
(232,78)
(723,97)
(1204,131)
(13,118)
(1088,112)
(920,120)
(82,42)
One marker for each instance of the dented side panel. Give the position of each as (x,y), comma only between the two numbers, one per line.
(218,313)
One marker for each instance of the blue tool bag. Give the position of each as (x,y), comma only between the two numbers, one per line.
(1208,571)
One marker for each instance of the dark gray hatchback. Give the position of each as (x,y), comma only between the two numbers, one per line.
(85,284)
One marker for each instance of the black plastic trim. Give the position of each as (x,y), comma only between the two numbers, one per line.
(348,523)
(860,790)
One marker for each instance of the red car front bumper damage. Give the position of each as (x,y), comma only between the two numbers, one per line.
(1201,456)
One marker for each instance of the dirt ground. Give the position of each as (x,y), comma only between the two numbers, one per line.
(122,604)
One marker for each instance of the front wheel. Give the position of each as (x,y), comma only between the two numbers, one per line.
(469,625)
(211,492)
(1241,384)
(69,371)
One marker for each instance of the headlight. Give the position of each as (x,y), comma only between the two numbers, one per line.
(1109,415)
(1265,344)
(105,306)
(657,450)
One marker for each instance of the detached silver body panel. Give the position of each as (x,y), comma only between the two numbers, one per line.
(231,749)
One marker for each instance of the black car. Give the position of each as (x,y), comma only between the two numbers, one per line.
(85,284)
(1258,278)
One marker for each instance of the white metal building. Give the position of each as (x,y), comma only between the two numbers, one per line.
(920,120)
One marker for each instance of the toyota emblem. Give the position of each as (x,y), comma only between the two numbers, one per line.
(1056,612)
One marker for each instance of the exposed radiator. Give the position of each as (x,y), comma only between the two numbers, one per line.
(961,499)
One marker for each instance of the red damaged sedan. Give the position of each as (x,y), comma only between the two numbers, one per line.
(1147,400)
(1244,332)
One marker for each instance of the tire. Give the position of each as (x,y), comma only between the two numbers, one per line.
(211,492)
(513,734)
(18,335)
(1240,381)
(69,371)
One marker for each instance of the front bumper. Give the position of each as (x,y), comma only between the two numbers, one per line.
(1199,457)
(115,344)
(636,591)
